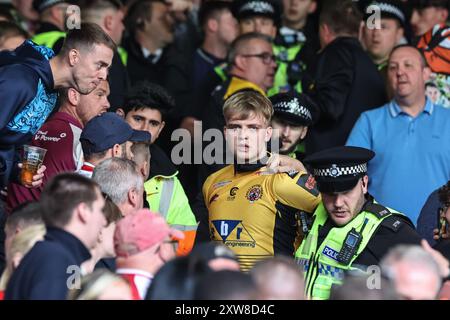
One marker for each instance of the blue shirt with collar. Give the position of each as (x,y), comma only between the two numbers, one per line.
(49,268)
(412,154)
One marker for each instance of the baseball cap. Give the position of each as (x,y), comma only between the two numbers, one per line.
(141,230)
(104,131)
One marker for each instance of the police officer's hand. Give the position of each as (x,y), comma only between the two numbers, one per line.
(282,163)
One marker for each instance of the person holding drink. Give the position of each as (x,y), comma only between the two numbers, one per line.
(29,77)
(31,163)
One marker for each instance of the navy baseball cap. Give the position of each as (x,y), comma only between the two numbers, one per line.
(104,131)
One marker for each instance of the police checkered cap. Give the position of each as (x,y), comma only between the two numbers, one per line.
(339,169)
(293,106)
(41,5)
(336,171)
(390,9)
(269,8)
(297,108)
(262,7)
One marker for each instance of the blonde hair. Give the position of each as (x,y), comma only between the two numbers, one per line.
(242,104)
(94,284)
(22,243)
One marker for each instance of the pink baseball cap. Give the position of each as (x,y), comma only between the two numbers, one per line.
(141,230)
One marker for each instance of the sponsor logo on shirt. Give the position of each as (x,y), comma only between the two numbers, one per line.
(310,184)
(254,193)
(233,192)
(232,233)
(42,136)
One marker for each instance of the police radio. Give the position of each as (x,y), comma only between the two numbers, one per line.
(351,244)
(304,222)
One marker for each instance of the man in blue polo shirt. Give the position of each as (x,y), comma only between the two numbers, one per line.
(410,136)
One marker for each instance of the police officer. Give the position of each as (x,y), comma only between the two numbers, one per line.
(260,16)
(295,46)
(293,113)
(52,18)
(379,42)
(350,230)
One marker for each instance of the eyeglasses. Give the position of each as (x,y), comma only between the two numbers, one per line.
(266,57)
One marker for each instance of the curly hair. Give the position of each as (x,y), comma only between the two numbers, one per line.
(444,194)
(149,95)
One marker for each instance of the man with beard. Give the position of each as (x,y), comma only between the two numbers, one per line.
(293,114)
(350,230)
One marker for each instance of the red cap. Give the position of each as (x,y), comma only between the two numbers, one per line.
(141,230)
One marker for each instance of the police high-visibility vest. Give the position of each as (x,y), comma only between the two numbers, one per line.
(123,54)
(166,196)
(48,39)
(320,264)
(285,56)
(281,81)
(299,148)
(221,71)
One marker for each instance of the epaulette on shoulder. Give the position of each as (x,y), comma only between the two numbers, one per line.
(378,210)
(393,223)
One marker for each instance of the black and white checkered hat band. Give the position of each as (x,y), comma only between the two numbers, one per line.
(336,171)
(293,107)
(258,7)
(389,8)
